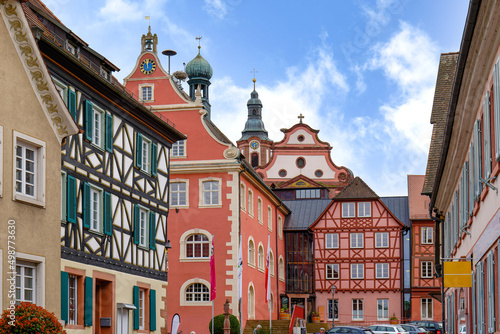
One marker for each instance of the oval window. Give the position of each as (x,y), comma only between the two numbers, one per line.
(282,173)
(300,138)
(318,173)
(301,162)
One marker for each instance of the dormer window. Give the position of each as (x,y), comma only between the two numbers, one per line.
(105,74)
(72,48)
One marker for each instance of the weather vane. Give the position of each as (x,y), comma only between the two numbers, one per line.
(199,41)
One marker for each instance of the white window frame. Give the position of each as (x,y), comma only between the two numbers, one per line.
(250,202)
(243,203)
(332,271)
(382,309)
(381,239)
(176,147)
(357,271)
(143,226)
(202,203)
(271,263)
(183,245)
(281,269)
(425,268)
(141,91)
(357,240)
(424,309)
(348,209)
(364,209)
(259,211)
(39,263)
(98,127)
(96,213)
(358,302)
(142,308)
(204,294)
(382,270)
(251,252)
(261,257)
(332,311)
(62,89)
(146,155)
(427,235)
(198,242)
(21,267)
(280,227)
(183,291)
(39,197)
(331,240)
(186,192)
(73,300)
(269,218)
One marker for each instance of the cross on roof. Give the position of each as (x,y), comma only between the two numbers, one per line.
(254,71)
(300,117)
(199,41)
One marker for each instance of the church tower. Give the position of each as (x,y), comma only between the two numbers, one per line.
(254,142)
(199,73)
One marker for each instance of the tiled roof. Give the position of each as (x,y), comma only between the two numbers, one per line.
(440,106)
(398,205)
(304,213)
(419,204)
(355,190)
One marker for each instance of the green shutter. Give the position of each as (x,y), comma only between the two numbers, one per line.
(136,224)
(154,159)
(138,150)
(89,295)
(136,304)
(152,310)
(64,296)
(109,133)
(72,103)
(108,219)
(86,205)
(152,230)
(89,111)
(487,136)
(71,199)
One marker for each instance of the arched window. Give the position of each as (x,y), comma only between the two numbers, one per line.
(255,159)
(261,257)
(251,303)
(197,246)
(271,263)
(250,202)
(197,292)
(242,197)
(269,218)
(259,210)
(280,227)
(281,269)
(251,253)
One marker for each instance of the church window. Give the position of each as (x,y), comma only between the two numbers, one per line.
(179,148)
(197,246)
(318,173)
(255,159)
(300,162)
(348,209)
(254,112)
(300,138)
(364,209)
(280,227)
(282,173)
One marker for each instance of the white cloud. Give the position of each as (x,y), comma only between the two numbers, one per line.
(216,8)
(121,10)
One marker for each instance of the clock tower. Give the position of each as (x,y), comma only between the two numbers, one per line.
(254,143)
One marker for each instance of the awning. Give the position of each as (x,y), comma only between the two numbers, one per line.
(126,306)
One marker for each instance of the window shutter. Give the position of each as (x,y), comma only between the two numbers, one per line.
(477,160)
(487,136)
(136,224)
(490,279)
(498,267)
(89,111)
(152,310)
(471,178)
(138,150)
(474,308)
(64,296)
(71,199)
(152,230)
(86,205)
(480,297)
(136,304)
(154,159)
(496,108)
(72,103)
(87,316)
(109,133)
(108,219)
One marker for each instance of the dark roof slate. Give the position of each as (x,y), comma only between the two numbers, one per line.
(356,189)
(304,213)
(399,207)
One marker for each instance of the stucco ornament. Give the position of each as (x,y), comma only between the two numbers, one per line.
(231,152)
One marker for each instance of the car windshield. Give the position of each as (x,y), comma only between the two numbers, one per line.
(401,329)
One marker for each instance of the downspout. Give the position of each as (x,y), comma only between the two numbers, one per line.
(238,158)
(404,231)
(277,262)
(439,219)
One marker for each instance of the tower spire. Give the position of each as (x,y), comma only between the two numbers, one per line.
(254,125)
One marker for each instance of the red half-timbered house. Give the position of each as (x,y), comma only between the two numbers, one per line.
(357,249)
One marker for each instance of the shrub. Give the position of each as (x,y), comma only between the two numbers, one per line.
(219,324)
(30,318)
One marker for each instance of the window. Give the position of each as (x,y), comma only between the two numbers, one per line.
(307,193)
(336,309)
(250,202)
(357,271)
(142,308)
(146,158)
(269,218)
(331,240)
(280,227)
(259,210)
(318,173)
(251,302)
(178,194)
(197,246)
(364,209)
(382,309)
(210,193)
(179,148)
(426,306)
(251,253)
(426,269)
(95,209)
(281,269)
(71,48)
(98,127)
(496,106)
(357,309)
(282,173)
(25,282)
(300,162)
(145,307)
(197,292)
(143,230)
(427,235)
(72,296)
(356,240)
(271,263)
(382,270)
(243,201)
(73,299)
(348,209)
(26,169)
(144,227)
(332,271)
(62,89)
(147,93)
(260,258)
(64,200)
(381,239)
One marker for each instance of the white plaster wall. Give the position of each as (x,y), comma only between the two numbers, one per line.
(313,163)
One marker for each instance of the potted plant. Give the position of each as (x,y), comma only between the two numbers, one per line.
(315,317)
(393,319)
(284,313)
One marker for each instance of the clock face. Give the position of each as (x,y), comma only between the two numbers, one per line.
(148,66)
(254,145)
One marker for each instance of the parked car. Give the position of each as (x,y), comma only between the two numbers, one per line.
(432,326)
(462,329)
(387,329)
(349,330)
(414,329)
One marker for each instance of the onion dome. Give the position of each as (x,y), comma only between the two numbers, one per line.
(199,68)
(254,125)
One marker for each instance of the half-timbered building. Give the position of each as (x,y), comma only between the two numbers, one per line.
(115,178)
(34,122)
(216,197)
(357,250)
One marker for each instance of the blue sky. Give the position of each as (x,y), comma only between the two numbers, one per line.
(362,72)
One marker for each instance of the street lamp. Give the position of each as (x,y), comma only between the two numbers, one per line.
(333,304)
